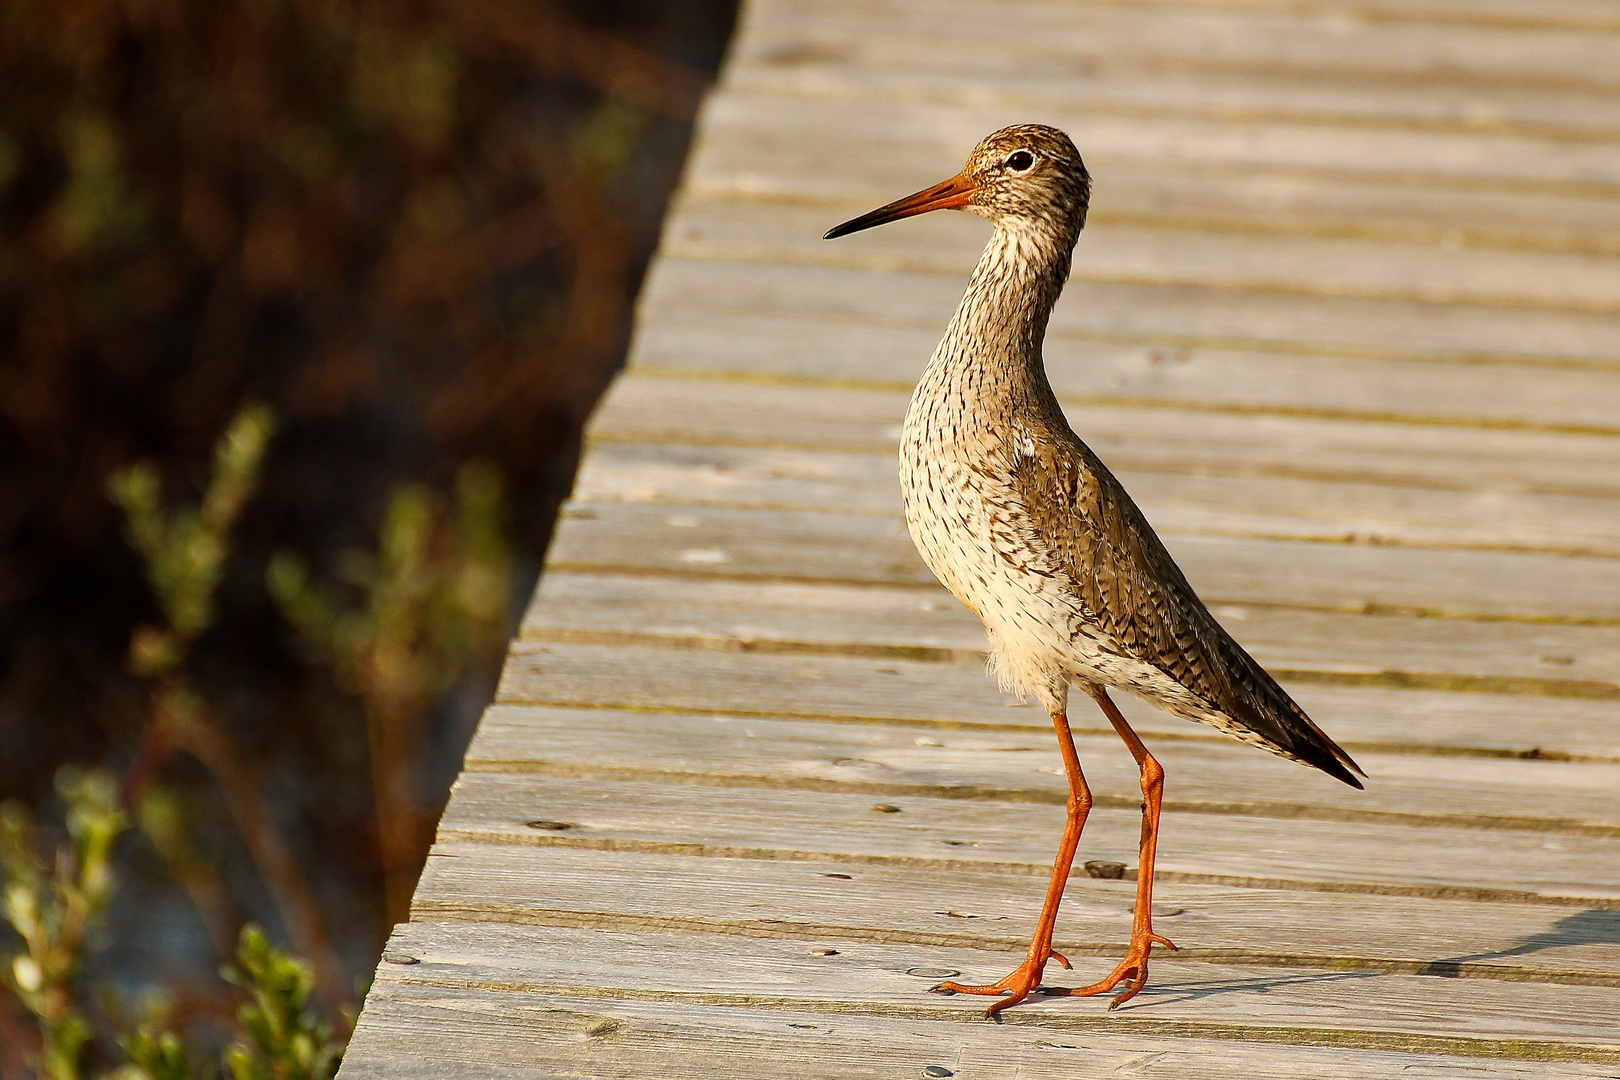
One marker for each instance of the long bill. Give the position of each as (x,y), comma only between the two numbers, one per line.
(953,194)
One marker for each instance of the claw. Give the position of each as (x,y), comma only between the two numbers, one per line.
(1016,986)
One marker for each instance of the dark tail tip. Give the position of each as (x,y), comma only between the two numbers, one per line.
(1336,769)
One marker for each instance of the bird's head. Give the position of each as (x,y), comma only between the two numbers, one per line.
(1028,176)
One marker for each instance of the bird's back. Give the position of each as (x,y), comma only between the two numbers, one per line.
(1119,571)
(1027,526)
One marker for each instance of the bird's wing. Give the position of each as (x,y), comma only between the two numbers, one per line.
(1086,524)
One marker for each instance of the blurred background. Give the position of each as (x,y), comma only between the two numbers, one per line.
(302,304)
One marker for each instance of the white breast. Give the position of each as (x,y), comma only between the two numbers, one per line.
(966,526)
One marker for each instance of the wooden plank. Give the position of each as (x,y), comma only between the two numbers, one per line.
(832,831)
(643,408)
(1372,201)
(981,57)
(758,230)
(1223,38)
(706,612)
(557,886)
(1539,796)
(858,689)
(1125,373)
(977,72)
(673,475)
(785,544)
(1598,15)
(943,131)
(455,1032)
(873,978)
(1146,314)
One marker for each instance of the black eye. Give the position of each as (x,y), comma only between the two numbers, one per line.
(1020,160)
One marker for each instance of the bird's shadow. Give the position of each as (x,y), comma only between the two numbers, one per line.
(1595,926)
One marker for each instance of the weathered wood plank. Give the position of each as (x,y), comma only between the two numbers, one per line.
(874,977)
(1598,15)
(764,898)
(1550,796)
(857,689)
(1197,36)
(993,836)
(1372,201)
(965,72)
(456,1033)
(644,408)
(672,475)
(1149,314)
(843,548)
(756,230)
(942,131)
(1321,386)
(981,57)
(708,612)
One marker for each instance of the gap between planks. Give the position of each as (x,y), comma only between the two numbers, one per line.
(785,380)
(1447,938)
(964,792)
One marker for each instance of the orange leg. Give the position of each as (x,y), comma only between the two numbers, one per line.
(1134,967)
(1027,976)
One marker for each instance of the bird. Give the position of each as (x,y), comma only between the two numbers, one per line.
(1028,528)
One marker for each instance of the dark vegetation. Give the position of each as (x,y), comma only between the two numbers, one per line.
(396,244)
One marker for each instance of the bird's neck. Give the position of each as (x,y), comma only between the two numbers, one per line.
(993,342)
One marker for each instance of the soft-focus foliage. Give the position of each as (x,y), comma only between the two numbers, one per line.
(431,601)
(52,903)
(285,1038)
(154,1055)
(184,551)
(413,231)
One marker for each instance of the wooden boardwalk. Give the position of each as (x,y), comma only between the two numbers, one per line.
(1346,321)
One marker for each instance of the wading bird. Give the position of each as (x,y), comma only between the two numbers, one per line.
(1027,527)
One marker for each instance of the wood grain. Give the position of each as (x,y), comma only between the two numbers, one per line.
(672,475)
(1017,839)
(837,547)
(948,127)
(779,231)
(828,902)
(1213,37)
(1144,437)
(708,612)
(874,977)
(1540,796)
(861,690)
(1097,371)
(458,1032)
(1176,315)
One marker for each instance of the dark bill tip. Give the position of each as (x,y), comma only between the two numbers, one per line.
(950,195)
(855,225)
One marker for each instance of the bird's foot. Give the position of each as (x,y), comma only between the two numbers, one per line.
(1017,984)
(1133,970)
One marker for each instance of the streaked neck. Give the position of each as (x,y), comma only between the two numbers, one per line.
(996,333)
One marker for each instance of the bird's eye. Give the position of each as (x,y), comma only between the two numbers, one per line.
(1020,161)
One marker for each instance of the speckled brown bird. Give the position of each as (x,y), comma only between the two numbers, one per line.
(1029,529)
